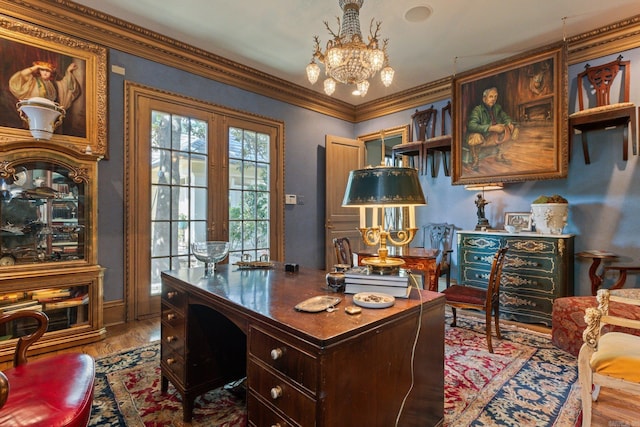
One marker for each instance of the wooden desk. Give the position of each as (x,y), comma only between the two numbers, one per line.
(421,259)
(303,369)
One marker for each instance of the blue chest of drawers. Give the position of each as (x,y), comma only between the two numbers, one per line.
(538,269)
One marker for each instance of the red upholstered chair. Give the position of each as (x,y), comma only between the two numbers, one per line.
(51,391)
(488,300)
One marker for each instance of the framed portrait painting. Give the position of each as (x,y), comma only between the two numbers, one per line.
(510,119)
(36,62)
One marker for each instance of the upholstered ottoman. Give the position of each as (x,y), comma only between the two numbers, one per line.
(567,320)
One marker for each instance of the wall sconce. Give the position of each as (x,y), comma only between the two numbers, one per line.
(481,202)
(42,115)
(379,188)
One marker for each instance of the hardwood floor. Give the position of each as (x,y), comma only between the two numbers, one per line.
(613,408)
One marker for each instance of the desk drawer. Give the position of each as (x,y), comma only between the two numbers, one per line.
(172,362)
(173,332)
(285,358)
(280,393)
(174,297)
(262,415)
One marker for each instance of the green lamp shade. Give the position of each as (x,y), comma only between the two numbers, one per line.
(388,186)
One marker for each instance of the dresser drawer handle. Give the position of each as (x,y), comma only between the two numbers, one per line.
(171,361)
(276,392)
(172,294)
(276,425)
(171,338)
(171,316)
(277,353)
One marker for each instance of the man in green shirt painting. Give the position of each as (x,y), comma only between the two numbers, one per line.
(489,126)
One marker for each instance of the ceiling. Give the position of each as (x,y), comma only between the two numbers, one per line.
(276,36)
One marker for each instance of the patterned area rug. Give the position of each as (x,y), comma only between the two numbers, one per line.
(526,382)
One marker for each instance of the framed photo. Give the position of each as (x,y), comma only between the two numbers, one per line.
(510,120)
(36,62)
(519,219)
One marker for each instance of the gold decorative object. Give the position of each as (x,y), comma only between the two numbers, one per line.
(376,189)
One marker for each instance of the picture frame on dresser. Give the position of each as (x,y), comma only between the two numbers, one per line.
(69,71)
(510,119)
(522,220)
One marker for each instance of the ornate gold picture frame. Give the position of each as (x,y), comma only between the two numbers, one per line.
(510,120)
(77,79)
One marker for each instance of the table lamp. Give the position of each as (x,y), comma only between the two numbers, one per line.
(379,188)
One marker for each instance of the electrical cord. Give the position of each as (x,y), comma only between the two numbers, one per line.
(413,349)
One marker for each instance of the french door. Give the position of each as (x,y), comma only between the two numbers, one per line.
(196,173)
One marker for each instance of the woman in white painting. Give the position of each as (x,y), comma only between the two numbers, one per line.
(39,81)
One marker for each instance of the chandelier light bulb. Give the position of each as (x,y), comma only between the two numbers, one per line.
(329,86)
(377,59)
(386,75)
(363,87)
(313,72)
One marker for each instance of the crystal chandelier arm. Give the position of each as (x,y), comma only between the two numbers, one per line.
(335,36)
(373,38)
(317,52)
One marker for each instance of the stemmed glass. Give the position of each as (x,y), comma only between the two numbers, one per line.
(209,253)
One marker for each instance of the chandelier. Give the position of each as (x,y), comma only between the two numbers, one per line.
(347,59)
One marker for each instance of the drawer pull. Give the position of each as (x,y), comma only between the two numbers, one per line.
(171,316)
(172,294)
(171,338)
(276,425)
(277,353)
(171,361)
(276,392)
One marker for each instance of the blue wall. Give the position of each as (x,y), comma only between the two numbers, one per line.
(603,198)
(304,161)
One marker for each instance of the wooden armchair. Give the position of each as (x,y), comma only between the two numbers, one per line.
(599,112)
(49,391)
(488,300)
(609,359)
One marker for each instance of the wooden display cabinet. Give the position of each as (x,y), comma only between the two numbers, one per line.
(48,258)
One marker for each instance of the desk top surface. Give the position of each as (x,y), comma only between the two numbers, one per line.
(270,295)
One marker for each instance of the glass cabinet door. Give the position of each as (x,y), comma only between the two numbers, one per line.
(42,215)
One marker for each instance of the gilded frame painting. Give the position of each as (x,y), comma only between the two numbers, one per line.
(510,119)
(35,61)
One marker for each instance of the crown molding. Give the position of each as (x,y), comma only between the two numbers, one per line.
(80,21)
(97,27)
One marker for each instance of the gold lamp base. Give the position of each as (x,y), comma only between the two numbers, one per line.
(379,265)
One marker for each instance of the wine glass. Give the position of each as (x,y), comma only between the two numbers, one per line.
(209,253)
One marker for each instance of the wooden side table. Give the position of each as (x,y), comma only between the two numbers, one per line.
(421,259)
(623,270)
(597,258)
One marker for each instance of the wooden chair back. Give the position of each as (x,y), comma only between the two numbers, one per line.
(440,236)
(601,79)
(495,278)
(344,254)
(475,298)
(424,124)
